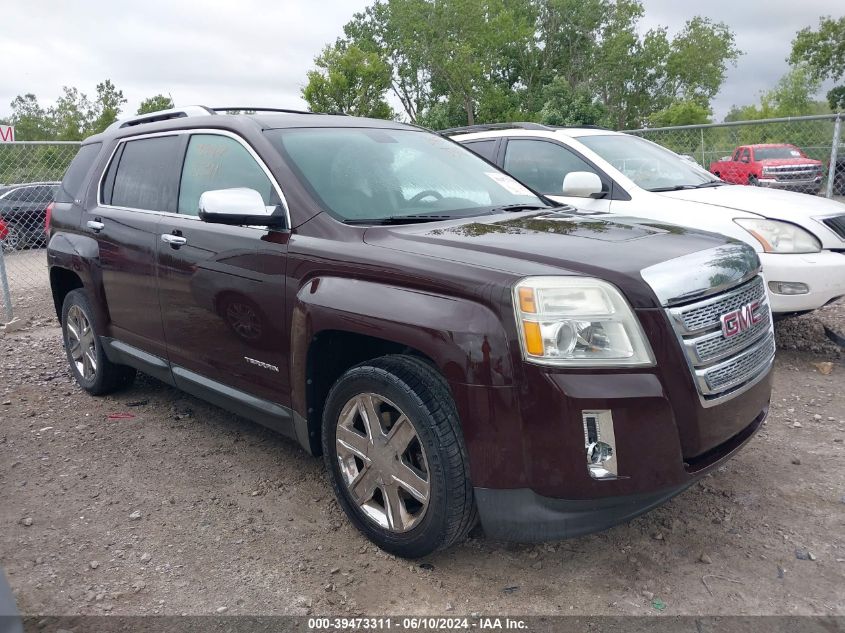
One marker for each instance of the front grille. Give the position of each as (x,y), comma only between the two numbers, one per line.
(722,366)
(793,169)
(714,346)
(837,225)
(739,369)
(705,314)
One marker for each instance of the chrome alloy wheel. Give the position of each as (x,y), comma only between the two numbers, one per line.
(383,462)
(80,341)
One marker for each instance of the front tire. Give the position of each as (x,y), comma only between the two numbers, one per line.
(90,366)
(395,456)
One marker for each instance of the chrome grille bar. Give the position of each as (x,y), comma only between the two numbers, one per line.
(723,367)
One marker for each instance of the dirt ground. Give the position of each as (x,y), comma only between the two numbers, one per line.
(182,508)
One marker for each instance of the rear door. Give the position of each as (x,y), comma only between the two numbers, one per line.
(222,287)
(137,188)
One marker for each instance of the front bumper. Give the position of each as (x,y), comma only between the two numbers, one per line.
(522,515)
(810,185)
(823,273)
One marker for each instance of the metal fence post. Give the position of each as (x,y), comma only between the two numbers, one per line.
(4,282)
(834,151)
(703,158)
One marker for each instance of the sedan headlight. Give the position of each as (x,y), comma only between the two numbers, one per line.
(578,322)
(781,237)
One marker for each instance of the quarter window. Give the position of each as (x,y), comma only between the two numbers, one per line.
(542,165)
(219,162)
(144,177)
(75,175)
(485,149)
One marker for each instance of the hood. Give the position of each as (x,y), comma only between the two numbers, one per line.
(779,162)
(799,208)
(549,243)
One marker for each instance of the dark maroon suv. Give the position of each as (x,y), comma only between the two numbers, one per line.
(454,346)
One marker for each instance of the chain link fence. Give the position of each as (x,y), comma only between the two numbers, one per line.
(30,173)
(804,154)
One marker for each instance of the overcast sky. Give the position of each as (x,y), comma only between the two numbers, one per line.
(249,52)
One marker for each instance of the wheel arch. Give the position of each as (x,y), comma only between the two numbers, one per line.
(339,323)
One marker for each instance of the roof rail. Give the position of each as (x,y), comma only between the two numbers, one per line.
(162,115)
(517,125)
(485,127)
(259,109)
(196,110)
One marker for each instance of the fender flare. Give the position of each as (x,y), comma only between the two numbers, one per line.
(465,339)
(79,254)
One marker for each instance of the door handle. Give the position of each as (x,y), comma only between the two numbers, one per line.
(175,241)
(95,225)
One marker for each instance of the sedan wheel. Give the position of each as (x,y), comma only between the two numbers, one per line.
(382,462)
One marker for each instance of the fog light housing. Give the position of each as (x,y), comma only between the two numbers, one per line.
(788,287)
(600,444)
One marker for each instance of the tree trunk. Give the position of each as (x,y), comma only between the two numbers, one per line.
(470,110)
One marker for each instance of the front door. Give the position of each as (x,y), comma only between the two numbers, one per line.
(543,164)
(221,287)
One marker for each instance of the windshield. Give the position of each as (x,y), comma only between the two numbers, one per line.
(374,174)
(766,153)
(647,164)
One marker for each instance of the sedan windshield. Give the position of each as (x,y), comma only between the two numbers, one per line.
(382,175)
(647,164)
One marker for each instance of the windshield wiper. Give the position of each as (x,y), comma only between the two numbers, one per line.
(521,207)
(709,183)
(399,219)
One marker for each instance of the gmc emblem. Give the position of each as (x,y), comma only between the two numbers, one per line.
(740,320)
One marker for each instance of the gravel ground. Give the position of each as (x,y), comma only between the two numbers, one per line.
(178,507)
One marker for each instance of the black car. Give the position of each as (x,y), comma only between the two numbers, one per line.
(23,208)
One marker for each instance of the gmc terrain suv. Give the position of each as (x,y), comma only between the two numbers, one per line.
(452,344)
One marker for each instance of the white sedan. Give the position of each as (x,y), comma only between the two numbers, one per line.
(800,238)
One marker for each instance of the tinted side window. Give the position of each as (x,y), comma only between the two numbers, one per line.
(44,193)
(76,174)
(145,176)
(20,194)
(485,149)
(219,162)
(542,165)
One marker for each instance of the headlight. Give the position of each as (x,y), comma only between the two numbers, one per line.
(781,237)
(578,322)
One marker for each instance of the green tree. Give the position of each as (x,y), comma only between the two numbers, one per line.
(794,94)
(106,107)
(155,104)
(564,105)
(461,61)
(31,121)
(349,80)
(72,114)
(680,113)
(836,99)
(823,51)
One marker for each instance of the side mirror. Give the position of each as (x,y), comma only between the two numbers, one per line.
(581,184)
(239,207)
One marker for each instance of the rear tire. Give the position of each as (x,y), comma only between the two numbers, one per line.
(90,366)
(403,478)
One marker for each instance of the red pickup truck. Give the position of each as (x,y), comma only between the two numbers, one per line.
(771,165)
